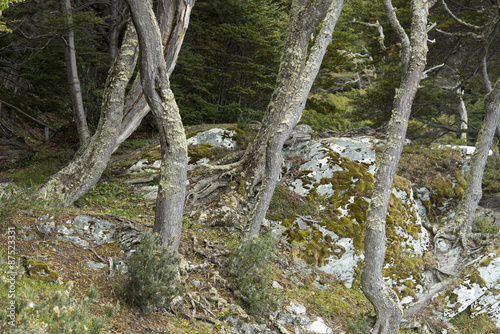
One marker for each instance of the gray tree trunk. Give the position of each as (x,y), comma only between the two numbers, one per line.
(72,72)
(298,69)
(74,180)
(462,221)
(413,58)
(118,122)
(464,119)
(156,87)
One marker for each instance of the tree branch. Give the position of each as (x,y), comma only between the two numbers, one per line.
(453,16)
(377,26)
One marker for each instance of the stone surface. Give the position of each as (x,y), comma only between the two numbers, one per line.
(215,137)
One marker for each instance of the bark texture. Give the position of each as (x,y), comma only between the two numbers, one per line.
(462,221)
(413,58)
(72,72)
(156,87)
(120,120)
(298,69)
(74,180)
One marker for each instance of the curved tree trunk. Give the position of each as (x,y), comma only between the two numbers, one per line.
(154,78)
(74,180)
(413,54)
(462,221)
(72,72)
(118,122)
(297,72)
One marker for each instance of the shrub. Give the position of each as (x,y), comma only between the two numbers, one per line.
(152,274)
(251,265)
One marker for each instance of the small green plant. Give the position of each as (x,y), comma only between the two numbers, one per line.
(485,226)
(360,323)
(251,268)
(111,310)
(481,324)
(93,292)
(152,274)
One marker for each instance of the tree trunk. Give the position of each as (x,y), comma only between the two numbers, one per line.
(462,221)
(464,119)
(413,57)
(154,79)
(118,122)
(74,180)
(72,72)
(297,72)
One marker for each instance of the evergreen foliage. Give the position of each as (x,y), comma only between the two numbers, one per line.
(32,63)
(251,268)
(152,277)
(229,60)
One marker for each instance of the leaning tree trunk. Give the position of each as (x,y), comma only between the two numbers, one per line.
(462,221)
(413,54)
(72,72)
(156,87)
(120,120)
(74,180)
(298,69)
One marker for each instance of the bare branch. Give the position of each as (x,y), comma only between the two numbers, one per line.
(390,11)
(377,26)
(472,26)
(464,34)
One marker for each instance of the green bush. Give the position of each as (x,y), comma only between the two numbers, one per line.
(251,265)
(152,274)
(360,323)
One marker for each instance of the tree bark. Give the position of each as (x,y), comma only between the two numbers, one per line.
(413,58)
(74,180)
(118,122)
(297,72)
(156,87)
(464,119)
(462,221)
(72,72)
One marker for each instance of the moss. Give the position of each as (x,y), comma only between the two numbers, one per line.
(485,262)
(152,155)
(40,270)
(198,152)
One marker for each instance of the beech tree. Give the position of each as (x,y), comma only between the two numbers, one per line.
(156,88)
(261,162)
(72,72)
(461,223)
(120,115)
(413,59)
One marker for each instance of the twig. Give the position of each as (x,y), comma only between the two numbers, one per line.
(97,255)
(127,220)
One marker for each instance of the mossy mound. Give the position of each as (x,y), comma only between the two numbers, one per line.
(40,270)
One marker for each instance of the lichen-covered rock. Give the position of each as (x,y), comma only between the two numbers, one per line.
(98,230)
(337,175)
(478,289)
(214,137)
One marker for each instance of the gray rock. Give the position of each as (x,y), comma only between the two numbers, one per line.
(95,265)
(80,242)
(46,227)
(215,137)
(98,230)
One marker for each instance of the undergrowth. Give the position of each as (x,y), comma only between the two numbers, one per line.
(251,267)
(152,278)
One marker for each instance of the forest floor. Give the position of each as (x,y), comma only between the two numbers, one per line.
(211,297)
